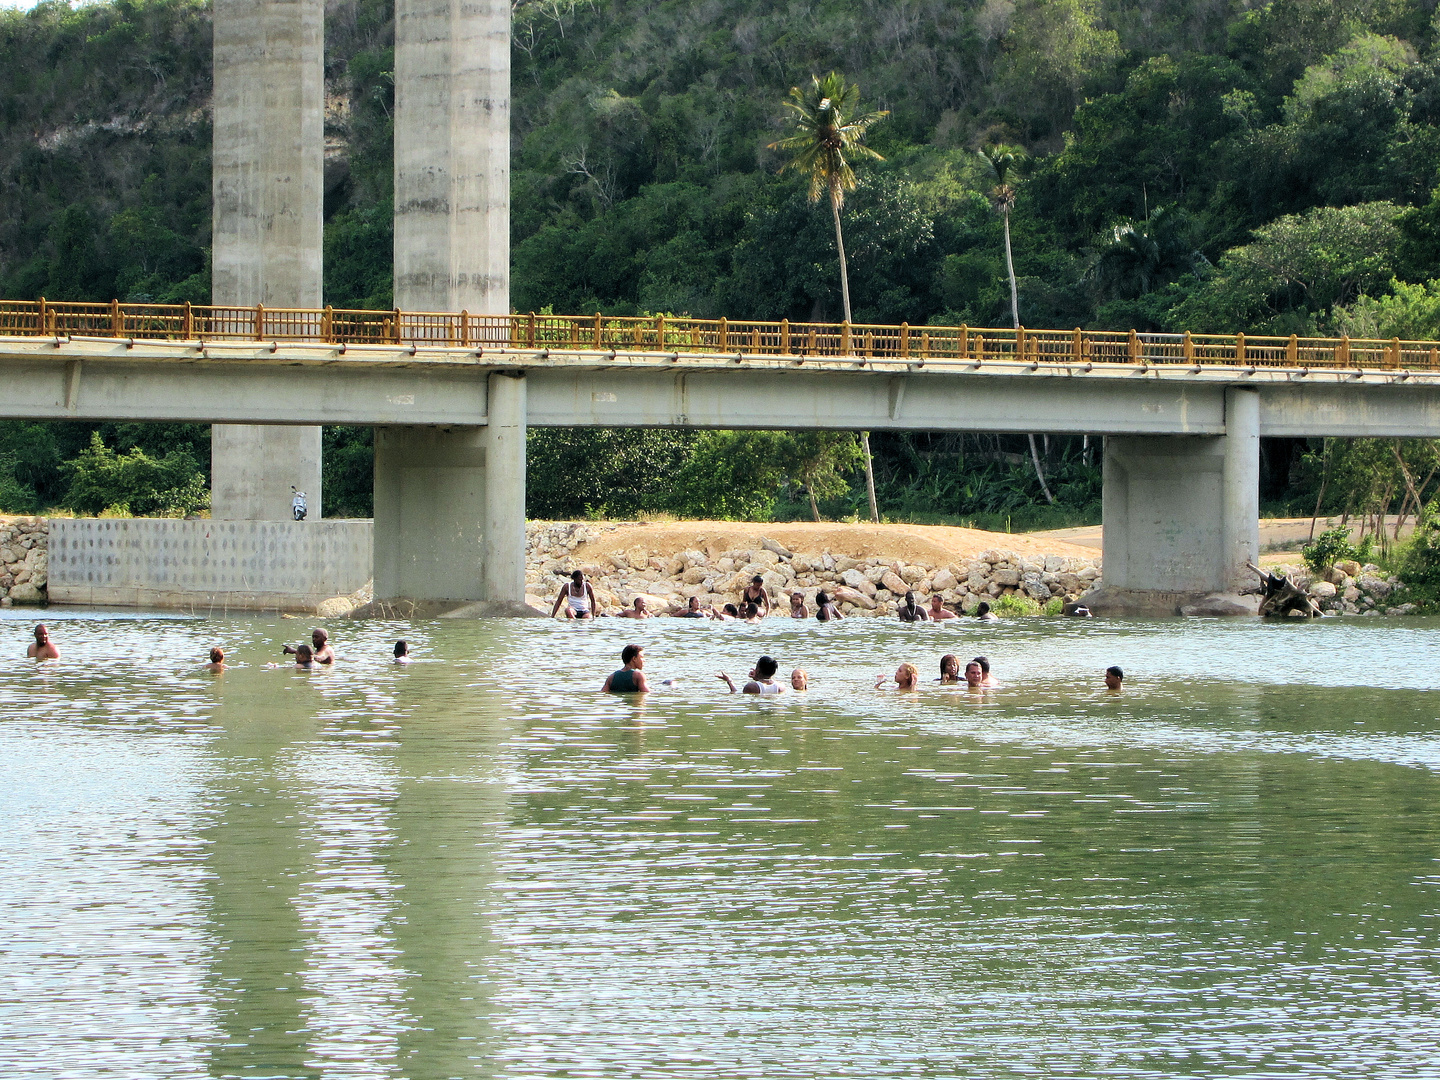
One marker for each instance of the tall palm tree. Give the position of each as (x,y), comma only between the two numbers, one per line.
(1002,159)
(823,137)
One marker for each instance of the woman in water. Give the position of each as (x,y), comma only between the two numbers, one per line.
(762,678)
(630,679)
(797,606)
(906,677)
(578,596)
(217,661)
(825,608)
(949,669)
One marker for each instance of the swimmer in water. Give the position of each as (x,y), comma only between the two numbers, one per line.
(762,678)
(728,613)
(988,680)
(319,648)
(938,611)
(949,669)
(217,661)
(984,614)
(44,648)
(753,614)
(402,652)
(756,594)
(797,606)
(910,611)
(799,680)
(825,608)
(1114,679)
(693,610)
(637,611)
(630,679)
(974,676)
(907,676)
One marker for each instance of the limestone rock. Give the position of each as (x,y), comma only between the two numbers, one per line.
(775,546)
(852,596)
(1219,605)
(913,575)
(1322,590)
(1374,586)
(893,582)
(1005,577)
(943,581)
(26,593)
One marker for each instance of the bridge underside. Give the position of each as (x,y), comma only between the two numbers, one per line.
(1181,457)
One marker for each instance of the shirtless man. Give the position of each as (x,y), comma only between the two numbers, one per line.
(402,652)
(797,606)
(578,596)
(44,648)
(217,661)
(762,678)
(630,679)
(938,611)
(753,614)
(319,648)
(636,612)
(984,614)
(974,676)
(984,663)
(910,611)
(1114,679)
(755,594)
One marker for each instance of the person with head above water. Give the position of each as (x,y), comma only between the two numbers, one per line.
(1114,678)
(578,596)
(907,677)
(44,648)
(988,680)
(984,614)
(637,611)
(402,652)
(217,661)
(693,610)
(826,608)
(762,678)
(320,650)
(630,679)
(799,679)
(304,657)
(949,669)
(755,594)
(974,676)
(752,613)
(910,611)
(938,611)
(797,606)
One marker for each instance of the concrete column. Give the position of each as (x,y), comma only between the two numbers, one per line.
(268,181)
(430,513)
(505,490)
(1181,517)
(452,155)
(1241,520)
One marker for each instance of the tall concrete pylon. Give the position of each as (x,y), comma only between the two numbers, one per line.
(268,185)
(453,502)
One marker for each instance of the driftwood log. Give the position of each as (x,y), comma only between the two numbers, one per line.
(1279,596)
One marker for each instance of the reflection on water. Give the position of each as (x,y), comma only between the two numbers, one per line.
(478,866)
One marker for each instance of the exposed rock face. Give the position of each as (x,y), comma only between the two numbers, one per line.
(870,586)
(24,560)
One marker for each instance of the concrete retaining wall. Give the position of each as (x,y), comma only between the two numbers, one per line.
(205,565)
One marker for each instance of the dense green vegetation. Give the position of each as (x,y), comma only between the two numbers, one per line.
(1266,167)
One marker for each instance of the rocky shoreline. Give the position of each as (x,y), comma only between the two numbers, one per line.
(24,560)
(717,573)
(1347,588)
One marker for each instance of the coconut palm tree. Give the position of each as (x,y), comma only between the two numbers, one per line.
(1001,160)
(823,137)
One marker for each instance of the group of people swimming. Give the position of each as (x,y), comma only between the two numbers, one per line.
(577,600)
(318,654)
(976,676)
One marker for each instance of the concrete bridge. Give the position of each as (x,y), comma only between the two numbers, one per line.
(452,396)
(452,380)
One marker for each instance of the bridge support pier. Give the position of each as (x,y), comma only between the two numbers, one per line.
(268,166)
(1182,518)
(450,512)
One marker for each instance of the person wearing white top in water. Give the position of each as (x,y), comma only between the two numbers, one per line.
(578,597)
(762,678)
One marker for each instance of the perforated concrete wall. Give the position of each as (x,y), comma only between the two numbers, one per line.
(206,565)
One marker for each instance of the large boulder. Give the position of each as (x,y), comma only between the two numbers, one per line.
(943,581)
(1322,590)
(845,594)
(26,593)
(894,582)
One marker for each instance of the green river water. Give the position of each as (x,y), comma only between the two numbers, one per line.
(478,866)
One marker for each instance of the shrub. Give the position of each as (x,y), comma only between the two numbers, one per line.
(102,481)
(1332,546)
(1014,604)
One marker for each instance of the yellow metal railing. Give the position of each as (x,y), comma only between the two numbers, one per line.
(664,334)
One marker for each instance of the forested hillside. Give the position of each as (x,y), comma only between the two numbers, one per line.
(1205,165)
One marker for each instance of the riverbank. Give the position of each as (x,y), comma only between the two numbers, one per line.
(866,567)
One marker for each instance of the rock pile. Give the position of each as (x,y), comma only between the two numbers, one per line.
(24,544)
(870,586)
(1347,588)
